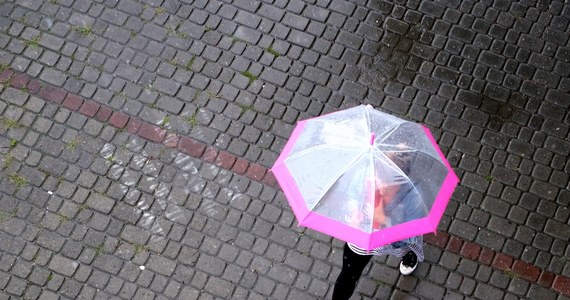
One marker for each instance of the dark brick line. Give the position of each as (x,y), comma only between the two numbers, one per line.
(137,126)
(256,172)
(500,261)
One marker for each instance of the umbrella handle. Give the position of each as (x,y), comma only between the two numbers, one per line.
(372,137)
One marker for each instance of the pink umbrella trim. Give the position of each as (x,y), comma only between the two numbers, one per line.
(356,236)
(443,197)
(353,235)
(447,187)
(285,179)
(291,191)
(363,239)
(289,146)
(436,147)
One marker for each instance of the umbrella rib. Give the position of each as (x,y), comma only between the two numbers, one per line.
(418,194)
(368,123)
(392,165)
(348,166)
(388,132)
(436,158)
(317,147)
(430,155)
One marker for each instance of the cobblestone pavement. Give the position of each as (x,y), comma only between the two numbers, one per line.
(136,138)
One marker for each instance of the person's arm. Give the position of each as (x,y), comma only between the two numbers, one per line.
(379,216)
(382,197)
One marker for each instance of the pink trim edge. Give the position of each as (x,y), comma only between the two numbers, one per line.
(442,199)
(447,188)
(363,239)
(291,191)
(436,147)
(290,143)
(284,178)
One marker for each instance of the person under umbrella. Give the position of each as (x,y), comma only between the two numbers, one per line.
(389,201)
(344,175)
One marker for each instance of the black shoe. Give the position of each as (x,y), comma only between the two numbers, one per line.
(409,263)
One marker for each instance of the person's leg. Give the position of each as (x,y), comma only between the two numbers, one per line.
(352,266)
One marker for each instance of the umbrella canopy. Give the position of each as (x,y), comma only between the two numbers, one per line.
(365,177)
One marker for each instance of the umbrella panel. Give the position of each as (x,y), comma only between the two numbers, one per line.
(348,200)
(407,137)
(318,169)
(427,175)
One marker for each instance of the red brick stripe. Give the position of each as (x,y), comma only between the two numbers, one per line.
(502,262)
(470,251)
(439,239)
(454,244)
(256,172)
(89,108)
(34,86)
(20,80)
(119,119)
(526,270)
(225,160)
(546,279)
(72,102)
(269,179)
(133,125)
(53,94)
(240,166)
(210,155)
(104,114)
(6,75)
(191,147)
(561,284)
(486,256)
(171,140)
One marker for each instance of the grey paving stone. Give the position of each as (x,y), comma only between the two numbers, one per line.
(100,203)
(108,263)
(538,291)
(429,290)
(50,240)
(135,235)
(63,265)
(161,265)
(54,77)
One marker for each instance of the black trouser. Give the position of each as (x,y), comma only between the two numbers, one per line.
(352,266)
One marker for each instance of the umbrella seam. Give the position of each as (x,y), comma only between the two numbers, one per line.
(337,178)
(302,152)
(389,132)
(407,178)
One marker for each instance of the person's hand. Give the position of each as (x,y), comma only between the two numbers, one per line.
(379,218)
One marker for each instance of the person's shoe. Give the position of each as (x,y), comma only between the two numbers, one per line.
(409,263)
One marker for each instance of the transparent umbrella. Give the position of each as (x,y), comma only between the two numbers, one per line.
(365,177)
